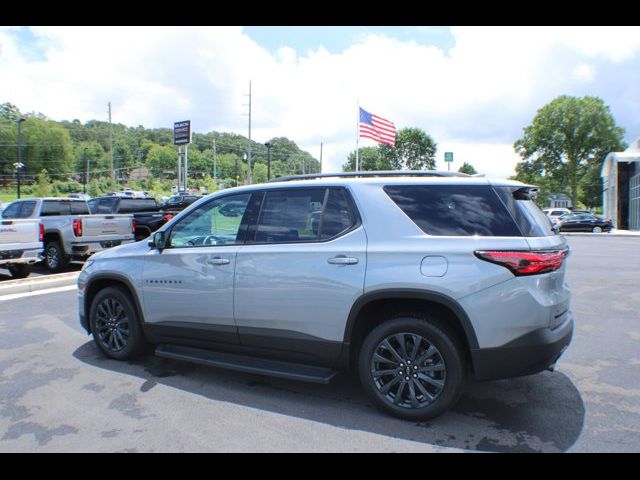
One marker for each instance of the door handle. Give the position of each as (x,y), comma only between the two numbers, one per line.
(218,261)
(343,260)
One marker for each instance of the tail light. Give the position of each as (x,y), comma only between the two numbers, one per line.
(77,227)
(133,225)
(167,216)
(525,263)
(41,232)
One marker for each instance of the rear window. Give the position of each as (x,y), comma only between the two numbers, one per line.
(454,210)
(64,207)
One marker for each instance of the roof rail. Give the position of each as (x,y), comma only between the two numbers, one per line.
(383,173)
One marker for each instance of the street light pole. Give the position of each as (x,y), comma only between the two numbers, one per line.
(268,145)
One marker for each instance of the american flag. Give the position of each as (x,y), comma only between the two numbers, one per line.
(377,128)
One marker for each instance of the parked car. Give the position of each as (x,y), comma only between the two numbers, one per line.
(584,223)
(179,202)
(20,245)
(270,279)
(146,212)
(81,196)
(72,234)
(555,213)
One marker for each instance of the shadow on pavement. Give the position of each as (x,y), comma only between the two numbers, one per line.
(539,413)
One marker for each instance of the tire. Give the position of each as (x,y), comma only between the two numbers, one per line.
(434,385)
(113,320)
(596,229)
(20,271)
(55,258)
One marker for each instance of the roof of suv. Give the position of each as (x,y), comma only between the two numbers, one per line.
(380,179)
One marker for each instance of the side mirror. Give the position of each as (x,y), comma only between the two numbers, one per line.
(159,240)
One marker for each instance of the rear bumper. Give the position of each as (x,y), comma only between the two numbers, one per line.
(86,249)
(531,353)
(26,256)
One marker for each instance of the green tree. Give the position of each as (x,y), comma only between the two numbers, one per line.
(369,159)
(567,136)
(162,159)
(42,187)
(467,168)
(415,150)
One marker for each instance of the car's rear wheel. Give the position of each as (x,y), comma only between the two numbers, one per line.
(412,368)
(597,229)
(55,258)
(114,324)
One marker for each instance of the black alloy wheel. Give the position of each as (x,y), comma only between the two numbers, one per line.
(412,366)
(114,324)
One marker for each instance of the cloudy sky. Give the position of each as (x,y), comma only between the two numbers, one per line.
(472,89)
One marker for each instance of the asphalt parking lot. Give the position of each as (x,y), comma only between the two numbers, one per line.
(57,393)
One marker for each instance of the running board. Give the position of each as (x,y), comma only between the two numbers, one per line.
(242,363)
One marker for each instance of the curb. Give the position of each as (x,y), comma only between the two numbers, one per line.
(38,283)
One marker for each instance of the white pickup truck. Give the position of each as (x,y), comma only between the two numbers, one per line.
(71,233)
(20,245)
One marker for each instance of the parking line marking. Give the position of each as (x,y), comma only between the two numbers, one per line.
(14,296)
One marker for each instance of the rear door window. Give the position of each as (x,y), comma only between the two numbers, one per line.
(291,215)
(454,210)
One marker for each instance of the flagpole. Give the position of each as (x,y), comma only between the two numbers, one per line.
(357,134)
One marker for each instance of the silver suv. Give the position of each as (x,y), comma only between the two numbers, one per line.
(417,281)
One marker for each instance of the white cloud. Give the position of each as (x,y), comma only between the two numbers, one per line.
(474,100)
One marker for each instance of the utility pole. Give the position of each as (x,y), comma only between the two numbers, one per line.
(113,173)
(320,157)
(215,159)
(20,164)
(268,145)
(249,179)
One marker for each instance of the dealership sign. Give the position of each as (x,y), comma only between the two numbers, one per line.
(182,132)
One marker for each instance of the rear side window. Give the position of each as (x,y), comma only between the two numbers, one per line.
(530,219)
(338,215)
(454,210)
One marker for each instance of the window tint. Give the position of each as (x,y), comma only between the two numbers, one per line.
(27,208)
(79,208)
(215,223)
(454,210)
(105,205)
(93,205)
(290,215)
(12,211)
(52,207)
(137,205)
(338,215)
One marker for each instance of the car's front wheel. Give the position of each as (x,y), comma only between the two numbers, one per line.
(597,229)
(412,368)
(114,324)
